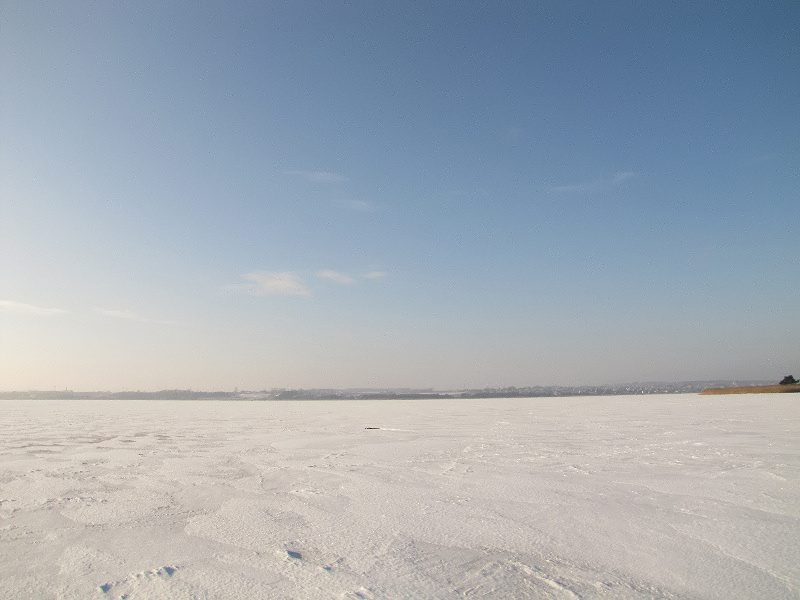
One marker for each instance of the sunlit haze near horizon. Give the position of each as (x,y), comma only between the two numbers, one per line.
(212,195)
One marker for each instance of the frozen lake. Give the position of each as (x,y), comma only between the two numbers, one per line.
(678,496)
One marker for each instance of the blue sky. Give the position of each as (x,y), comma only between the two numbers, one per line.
(437,194)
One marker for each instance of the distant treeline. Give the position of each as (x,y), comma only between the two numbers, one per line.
(159,395)
(682,387)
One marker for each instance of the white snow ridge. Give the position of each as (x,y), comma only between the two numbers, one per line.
(676,496)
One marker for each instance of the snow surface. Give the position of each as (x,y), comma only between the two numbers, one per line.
(677,496)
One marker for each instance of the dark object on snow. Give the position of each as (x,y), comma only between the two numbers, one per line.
(789,380)
(294,554)
(371,427)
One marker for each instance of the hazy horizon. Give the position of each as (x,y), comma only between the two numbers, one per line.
(383,195)
(651,385)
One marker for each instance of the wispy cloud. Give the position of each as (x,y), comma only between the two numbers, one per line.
(28,309)
(128,315)
(318,176)
(596,185)
(335,276)
(283,283)
(118,314)
(358,205)
(272,283)
(375,275)
(345,279)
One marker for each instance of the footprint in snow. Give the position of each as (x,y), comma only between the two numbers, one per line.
(139,579)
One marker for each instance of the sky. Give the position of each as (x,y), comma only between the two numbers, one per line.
(326,194)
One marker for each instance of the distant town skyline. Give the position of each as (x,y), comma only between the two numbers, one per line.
(536,391)
(450,194)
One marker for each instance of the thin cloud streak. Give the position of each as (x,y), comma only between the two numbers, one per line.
(319,176)
(359,206)
(29,309)
(375,275)
(128,315)
(280,283)
(335,276)
(596,185)
(272,283)
(118,314)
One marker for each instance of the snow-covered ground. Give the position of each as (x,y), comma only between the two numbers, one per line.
(678,496)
